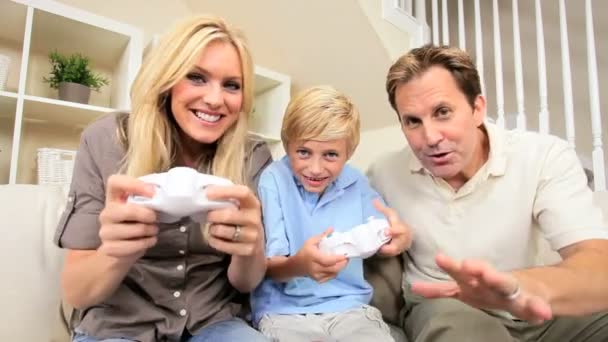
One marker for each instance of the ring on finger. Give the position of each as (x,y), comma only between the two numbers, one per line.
(515,293)
(237,233)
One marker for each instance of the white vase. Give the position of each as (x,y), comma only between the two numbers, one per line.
(4,62)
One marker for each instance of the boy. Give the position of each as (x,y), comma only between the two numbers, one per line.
(309,295)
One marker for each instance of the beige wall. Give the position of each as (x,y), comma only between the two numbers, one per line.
(152,16)
(375,143)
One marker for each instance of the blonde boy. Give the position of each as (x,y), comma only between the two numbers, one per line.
(309,295)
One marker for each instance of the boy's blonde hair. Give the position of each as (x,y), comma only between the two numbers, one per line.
(151,135)
(321,113)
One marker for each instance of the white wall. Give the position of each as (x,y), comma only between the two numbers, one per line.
(375,143)
(394,40)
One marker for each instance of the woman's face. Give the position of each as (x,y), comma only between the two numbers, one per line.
(208,100)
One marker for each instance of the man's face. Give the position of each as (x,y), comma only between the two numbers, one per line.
(441,127)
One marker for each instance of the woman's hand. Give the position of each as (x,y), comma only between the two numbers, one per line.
(235,231)
(127,230)
(238,232)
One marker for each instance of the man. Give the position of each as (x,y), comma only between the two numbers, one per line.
(479,199)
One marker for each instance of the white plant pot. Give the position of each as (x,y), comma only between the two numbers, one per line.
(4,63)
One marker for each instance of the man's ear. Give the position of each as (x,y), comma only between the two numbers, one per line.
(479,109)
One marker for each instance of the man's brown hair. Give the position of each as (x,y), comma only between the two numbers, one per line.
(417,61)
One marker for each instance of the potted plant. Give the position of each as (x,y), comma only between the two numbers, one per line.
(73,77)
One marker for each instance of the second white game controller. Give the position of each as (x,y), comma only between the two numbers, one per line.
(362,241)
(180,192)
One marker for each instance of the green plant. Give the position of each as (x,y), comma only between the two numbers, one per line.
(74,68)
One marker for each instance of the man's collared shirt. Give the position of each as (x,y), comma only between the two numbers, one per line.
(531,187)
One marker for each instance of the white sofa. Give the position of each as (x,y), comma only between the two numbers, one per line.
(31,265)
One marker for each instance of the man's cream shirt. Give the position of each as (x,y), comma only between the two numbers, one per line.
(532,186)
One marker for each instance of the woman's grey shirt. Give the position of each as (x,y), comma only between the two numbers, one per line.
(180,284)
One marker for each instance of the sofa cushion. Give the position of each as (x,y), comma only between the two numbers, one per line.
(32,263)
(384,275)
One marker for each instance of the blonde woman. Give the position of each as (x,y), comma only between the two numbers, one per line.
(134,279)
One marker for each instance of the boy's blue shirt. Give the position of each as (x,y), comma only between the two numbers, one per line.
(292,215)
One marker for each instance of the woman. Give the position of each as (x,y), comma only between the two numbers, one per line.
(135,279)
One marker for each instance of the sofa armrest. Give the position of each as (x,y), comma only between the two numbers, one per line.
(31,263)
(384,275)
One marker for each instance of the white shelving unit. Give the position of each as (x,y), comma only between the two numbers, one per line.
(272,94)
(31,116)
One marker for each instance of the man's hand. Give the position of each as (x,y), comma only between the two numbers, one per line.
(480,285)
(316,264)
(400,233)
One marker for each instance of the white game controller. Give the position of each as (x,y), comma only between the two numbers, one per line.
(362,241)
(180,192)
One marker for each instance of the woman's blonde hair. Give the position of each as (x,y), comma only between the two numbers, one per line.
(321,113)
(150,133)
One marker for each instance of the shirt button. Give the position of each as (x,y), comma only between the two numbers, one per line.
(183,229)
(180,267)
(182,312)
(176,294)
(182,252)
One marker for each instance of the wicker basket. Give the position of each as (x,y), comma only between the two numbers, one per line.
(4,63)
(55,166)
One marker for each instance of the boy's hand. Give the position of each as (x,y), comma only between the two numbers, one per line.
(316,264)
(400,233)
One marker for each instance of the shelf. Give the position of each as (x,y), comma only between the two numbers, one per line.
(272,94)
(31,116)
(8,94)
(39,109)
(7,125)
(12,17)
(112,48)
(37,135)
(13,23)
(8,104)
(53,32)
(266,79)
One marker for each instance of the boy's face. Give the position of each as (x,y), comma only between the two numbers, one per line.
(317,163)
